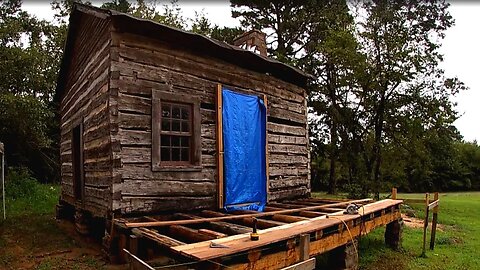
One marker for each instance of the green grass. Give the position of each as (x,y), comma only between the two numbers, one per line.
(457,246)
(30,231)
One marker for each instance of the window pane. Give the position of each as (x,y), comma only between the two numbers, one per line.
(185,141)
(166,124)
(175,141)
(176,112)
(185,126)
(175,154)
(165,140)
(185,113)
(185,154)
(175,125)
(165,110)
(165,154)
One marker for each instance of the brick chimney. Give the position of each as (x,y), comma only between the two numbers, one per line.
(253,40)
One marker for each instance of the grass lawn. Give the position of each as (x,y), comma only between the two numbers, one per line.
(457,243)
(30,238)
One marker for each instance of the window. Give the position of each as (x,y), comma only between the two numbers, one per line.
(175,132)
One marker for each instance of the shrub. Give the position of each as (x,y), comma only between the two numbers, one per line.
(19,183)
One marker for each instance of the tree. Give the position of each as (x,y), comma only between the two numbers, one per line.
(400,41)
(118,5)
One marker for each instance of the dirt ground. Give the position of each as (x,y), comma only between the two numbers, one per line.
(50,245)
(413,222)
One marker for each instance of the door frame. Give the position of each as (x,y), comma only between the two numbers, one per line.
(220,148)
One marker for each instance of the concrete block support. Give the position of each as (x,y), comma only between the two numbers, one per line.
(393,234)
(344,257)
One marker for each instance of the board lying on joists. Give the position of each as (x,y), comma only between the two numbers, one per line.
(202,251)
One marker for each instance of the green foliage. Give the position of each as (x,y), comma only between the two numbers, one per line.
(19,183)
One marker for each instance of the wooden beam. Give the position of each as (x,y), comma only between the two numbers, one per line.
(287,218)
(434,222)
(224,227)
(304,247)
(425,225)
(188,234)
(305,265)
(308,214)
(220,150)
(239,243)
(160,239)
(248,221)
(212,233)
(321,245)
(233,217)
(394,193)
(267,156)
(432,205)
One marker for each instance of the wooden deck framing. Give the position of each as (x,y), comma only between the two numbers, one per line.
(216,239)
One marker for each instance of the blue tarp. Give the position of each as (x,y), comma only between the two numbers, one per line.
(244,127)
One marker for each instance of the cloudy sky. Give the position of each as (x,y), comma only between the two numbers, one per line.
(460,48)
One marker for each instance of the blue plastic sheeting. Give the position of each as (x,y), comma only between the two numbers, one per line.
(244,127)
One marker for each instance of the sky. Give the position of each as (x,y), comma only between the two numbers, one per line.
(460,49)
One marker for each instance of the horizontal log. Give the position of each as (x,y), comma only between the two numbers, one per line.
(160,56)
(134,205)
(288,193)
(287,139)
(285,129)
(150,188)
(288,182)
(142,171)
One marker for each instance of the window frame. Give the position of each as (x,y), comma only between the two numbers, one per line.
(159,96)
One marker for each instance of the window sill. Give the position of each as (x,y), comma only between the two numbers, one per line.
(158,168)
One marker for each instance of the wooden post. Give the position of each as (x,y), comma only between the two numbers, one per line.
(425,225)
(434,223)
(220,146)
(267,157)
(304,247)
(133,245)
(2,153)
(394,193)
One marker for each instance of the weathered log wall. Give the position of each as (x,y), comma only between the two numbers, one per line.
(85,100)
(141,64)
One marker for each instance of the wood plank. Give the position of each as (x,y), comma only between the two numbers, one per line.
(247,221)
(224,227)
(287,218)
(321,245)
(219,132)
(232,217)
(305,265)
(188,234)
(202,251)
(212,233)
(160,239)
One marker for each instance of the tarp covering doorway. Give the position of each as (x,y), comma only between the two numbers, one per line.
(244,140)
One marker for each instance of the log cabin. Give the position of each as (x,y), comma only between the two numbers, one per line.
(140,107)
(200,140)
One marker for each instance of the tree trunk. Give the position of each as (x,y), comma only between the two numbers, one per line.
(332,183)
(332,87)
